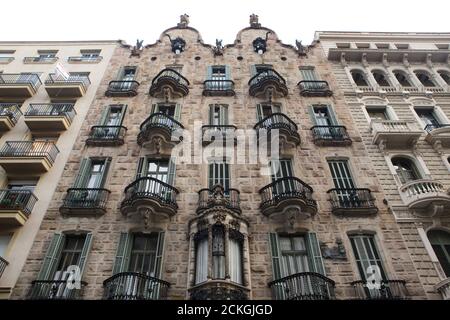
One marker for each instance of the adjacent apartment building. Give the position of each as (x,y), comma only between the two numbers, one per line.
(46,89)
(139,213)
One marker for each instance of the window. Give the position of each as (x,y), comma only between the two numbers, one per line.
(405,169)
(70,254)
(282,169)
(380,78)
(363,45)
(113,115)
(343,45)
(402,78)
(378,113)
(5,239)
(402,46)
(445,75)
(359,78)
(382,45)
(44,54)
(264,110)
(346,193)
(219,173)
(442,46)
(92,174)
(217,78)
(90,54)
(424,78)
(440,241)
(428,117)
(262,68)
(308,73)
(127,74)
(218,115)
(218,252)
(323,116)
(162,170)
(170,109)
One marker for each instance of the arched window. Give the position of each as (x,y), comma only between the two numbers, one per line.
(380,78)
(440,241)
(405,169)
(445,75)
(359,78)
(424,78)
(402,78)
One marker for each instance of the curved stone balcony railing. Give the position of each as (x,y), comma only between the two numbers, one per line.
(287,129)
(310,88)
(268,82)
(158,125)
(169,83)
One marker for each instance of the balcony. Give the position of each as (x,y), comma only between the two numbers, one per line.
(303,286)
(158,126)
(268,83)
(314,89)
(134,286)
(106,136)
(55,290)
(438,134)
(218,197)
(425,197)
(219,290)
(122,89)
(22,86)
(443,288)
(222,133)
(150,195)
(85,202)
(3,265)
(287,129)
(169,83)
(28,157)
(49,117)
(395,133)
(9,115)
(72,87)
(285,194)
(388,290)
(40,60)
(85,59)
(331,136)
(352,202)
(6,60)
(217,88)
(16,206)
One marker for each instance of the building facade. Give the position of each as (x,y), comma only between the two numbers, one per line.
(141,214)
(397,88)
(46,89)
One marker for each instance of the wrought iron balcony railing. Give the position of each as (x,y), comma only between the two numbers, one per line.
(82,80)
(31,79)
(331,135)
(106,135)
(228,198)
(135,286)
(51,110)
(38,149)
(122,88)
(218,88)
(385,290)
(10,110)
(431,127)
(23,200)
(88,59)
(314,88)
(94,199)
(219,290)
(40,59)
(351,200)
(3,265)
(257,83)
(277,121)
(303,286)
(169,77)
(55,290)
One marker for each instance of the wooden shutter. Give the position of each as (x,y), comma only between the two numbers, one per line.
(308,74)
(171,171)
(104,116)
(276,260)
(154,108)
(209,72)
(332,115)
(120,74)
(85,252)
(227,73)
(223,115)
(83,173)
(312,115)
(122,114)
(159,255)
(177,112)
(51,257)
(259,112)
(211,113)
(314,253)
(104,172)
(141,169)
(123,253)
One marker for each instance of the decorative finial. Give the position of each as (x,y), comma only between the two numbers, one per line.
(137,49)
(218,49)
(184,21)
(301,49)
(254,21)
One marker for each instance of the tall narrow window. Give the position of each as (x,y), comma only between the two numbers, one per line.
(344,184)
(143,254)
(70,254)
(218,115)
(405,169)
(424,78)
(378,113)
(308,74)
(440,241)
(402,78)
(428,117)
(281,171)
(235,245)
(219,173)
(92,173)
(201,256)
(264,110)
(359,78)
(218,252)
(445,75)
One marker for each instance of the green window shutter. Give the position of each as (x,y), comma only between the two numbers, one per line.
(276,256)
(314,253)
(141,167)
(120,74)
(123,253)
(308,74)
(177,112)
(171,171)
(104,173)
(122,114)
(259,112)
(83,174)
(332,115)
(224,115)
(227,72)
(154,108)
(104,116)
(85,252)
(312,116)
(209,72)
(159,255)
(51,257)
(211,113)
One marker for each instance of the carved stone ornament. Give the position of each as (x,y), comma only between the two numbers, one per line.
(334,253)
(137,49)
(218,49)
(254,21)
(184,21)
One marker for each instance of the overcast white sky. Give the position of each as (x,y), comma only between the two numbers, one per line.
(146,19)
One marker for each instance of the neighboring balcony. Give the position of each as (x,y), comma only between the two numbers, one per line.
(85,202)
(49,117)
(438,133)
(303,286)
(40,60)
(135,286)
(426,197)
(158,126)
(28,157)
(71,87)
(219,290)
(169,83)
(19,85)
(3,265)
(352,202)
(287,129)
(314,89)
(218,197)
(286,193)
(82,59)
(9,115)
(331,136)
(386,290)
(106,136)
(55,290)
(395,133)
(122,89)
(224,133)
(16,206)
(150,196)
(268,83)
(6,60)
(215,88)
